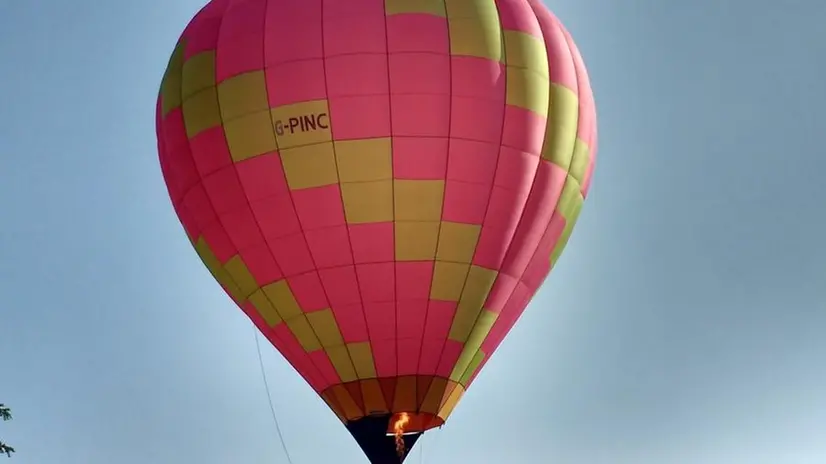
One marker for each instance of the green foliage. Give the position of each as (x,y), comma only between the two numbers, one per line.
(5,414)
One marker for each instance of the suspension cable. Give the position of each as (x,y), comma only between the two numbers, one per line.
(269,396)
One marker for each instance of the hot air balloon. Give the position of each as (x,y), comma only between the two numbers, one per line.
(380,185)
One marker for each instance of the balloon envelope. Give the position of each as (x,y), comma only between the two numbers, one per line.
(380,185)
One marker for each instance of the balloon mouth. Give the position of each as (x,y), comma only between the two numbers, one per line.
(387,416)
(408,423)
(384,438)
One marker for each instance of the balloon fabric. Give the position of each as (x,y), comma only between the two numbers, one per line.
(380,185)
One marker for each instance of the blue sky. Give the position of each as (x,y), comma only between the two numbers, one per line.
(683,325)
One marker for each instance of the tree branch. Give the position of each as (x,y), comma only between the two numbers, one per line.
(5,414)
(6,449)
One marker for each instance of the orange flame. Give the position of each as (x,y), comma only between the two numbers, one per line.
(398,431)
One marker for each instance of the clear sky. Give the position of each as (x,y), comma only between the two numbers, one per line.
(683,325)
